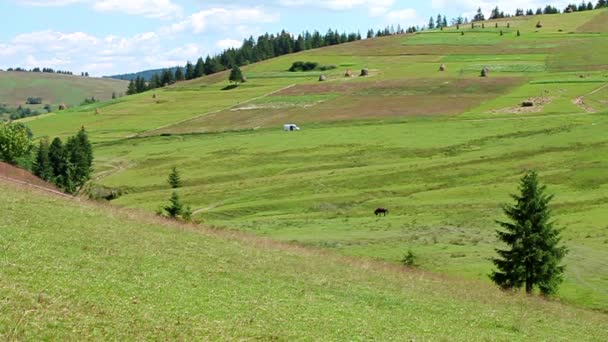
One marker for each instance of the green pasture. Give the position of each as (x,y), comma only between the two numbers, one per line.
(441,149)
(76,271)
(444,181)
(55,89)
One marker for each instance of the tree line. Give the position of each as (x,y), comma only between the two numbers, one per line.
(251,51)
(46,70)
(66,165)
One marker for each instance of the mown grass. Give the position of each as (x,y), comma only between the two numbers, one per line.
(77,271)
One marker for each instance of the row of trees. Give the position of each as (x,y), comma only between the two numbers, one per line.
(583,6)
(45,70)
(251,51)
(66,165)
(586,6)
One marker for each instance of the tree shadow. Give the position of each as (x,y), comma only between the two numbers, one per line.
(230,87)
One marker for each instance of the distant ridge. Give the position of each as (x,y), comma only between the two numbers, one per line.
(146,74)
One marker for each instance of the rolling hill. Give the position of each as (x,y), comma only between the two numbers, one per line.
(55,89)
(79,271)
(442,149)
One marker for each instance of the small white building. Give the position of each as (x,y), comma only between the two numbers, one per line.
(291,127)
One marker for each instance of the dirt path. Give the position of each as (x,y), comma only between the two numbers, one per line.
(580,101)
(209,113)
(54,192)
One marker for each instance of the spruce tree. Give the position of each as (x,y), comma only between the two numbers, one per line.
(175,207)
(199,68)
(57,158)
(179,74)
(534,254)
(236,75)
(42,164)
(174,179)
(189,71)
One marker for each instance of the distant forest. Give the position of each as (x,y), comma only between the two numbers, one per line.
(46,70)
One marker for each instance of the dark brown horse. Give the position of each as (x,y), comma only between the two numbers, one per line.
(381,211)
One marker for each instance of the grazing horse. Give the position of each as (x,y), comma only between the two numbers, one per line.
(381,211)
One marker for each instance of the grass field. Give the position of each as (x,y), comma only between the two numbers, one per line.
(55,89)
(126,276)
(442,150)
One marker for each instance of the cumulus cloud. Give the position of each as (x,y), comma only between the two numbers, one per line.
(375,8)
(79,51)
(146,8)
(162,9)
(220,18)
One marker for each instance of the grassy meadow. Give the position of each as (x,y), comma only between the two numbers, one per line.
(77,271)
(55,89)
(441,149)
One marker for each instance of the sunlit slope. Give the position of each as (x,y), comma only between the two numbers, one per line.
(404,81)
(76,271)
(56,89)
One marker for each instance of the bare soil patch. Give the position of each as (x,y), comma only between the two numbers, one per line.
(538,105)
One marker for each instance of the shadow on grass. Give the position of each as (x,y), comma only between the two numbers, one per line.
(230,87)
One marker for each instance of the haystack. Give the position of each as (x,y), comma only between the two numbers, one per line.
(153,96)
(539,25)
(97,112)
(527,103)
(485,72)
(322,78)
(364,72)
(63,107)
(349,73)
(442,67)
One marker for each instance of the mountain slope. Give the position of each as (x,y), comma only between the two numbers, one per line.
(441,149)
(55,89)
(73,270)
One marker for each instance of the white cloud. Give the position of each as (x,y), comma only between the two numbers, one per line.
(146,8)
(402,16)
(229,43)
(50,3)
(223,19)
(78,51)
(162,9)
(375,8)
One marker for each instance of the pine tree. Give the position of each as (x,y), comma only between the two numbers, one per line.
(431,23)
(236,75)
(534,257)
(179,74)
(42,164)
(175,208)
(174,179)
(57,158)
(199,69)
(479,16)
(189,71)
(131,89)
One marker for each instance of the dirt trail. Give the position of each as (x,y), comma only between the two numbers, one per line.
(580,101)
(20,176)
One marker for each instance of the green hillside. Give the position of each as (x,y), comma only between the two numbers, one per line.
(55,89)
(73,270)
(442,149)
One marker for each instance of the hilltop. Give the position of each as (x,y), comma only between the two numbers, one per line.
(441,149)
(76,270)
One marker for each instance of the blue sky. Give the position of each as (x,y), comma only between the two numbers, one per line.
(106,37)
